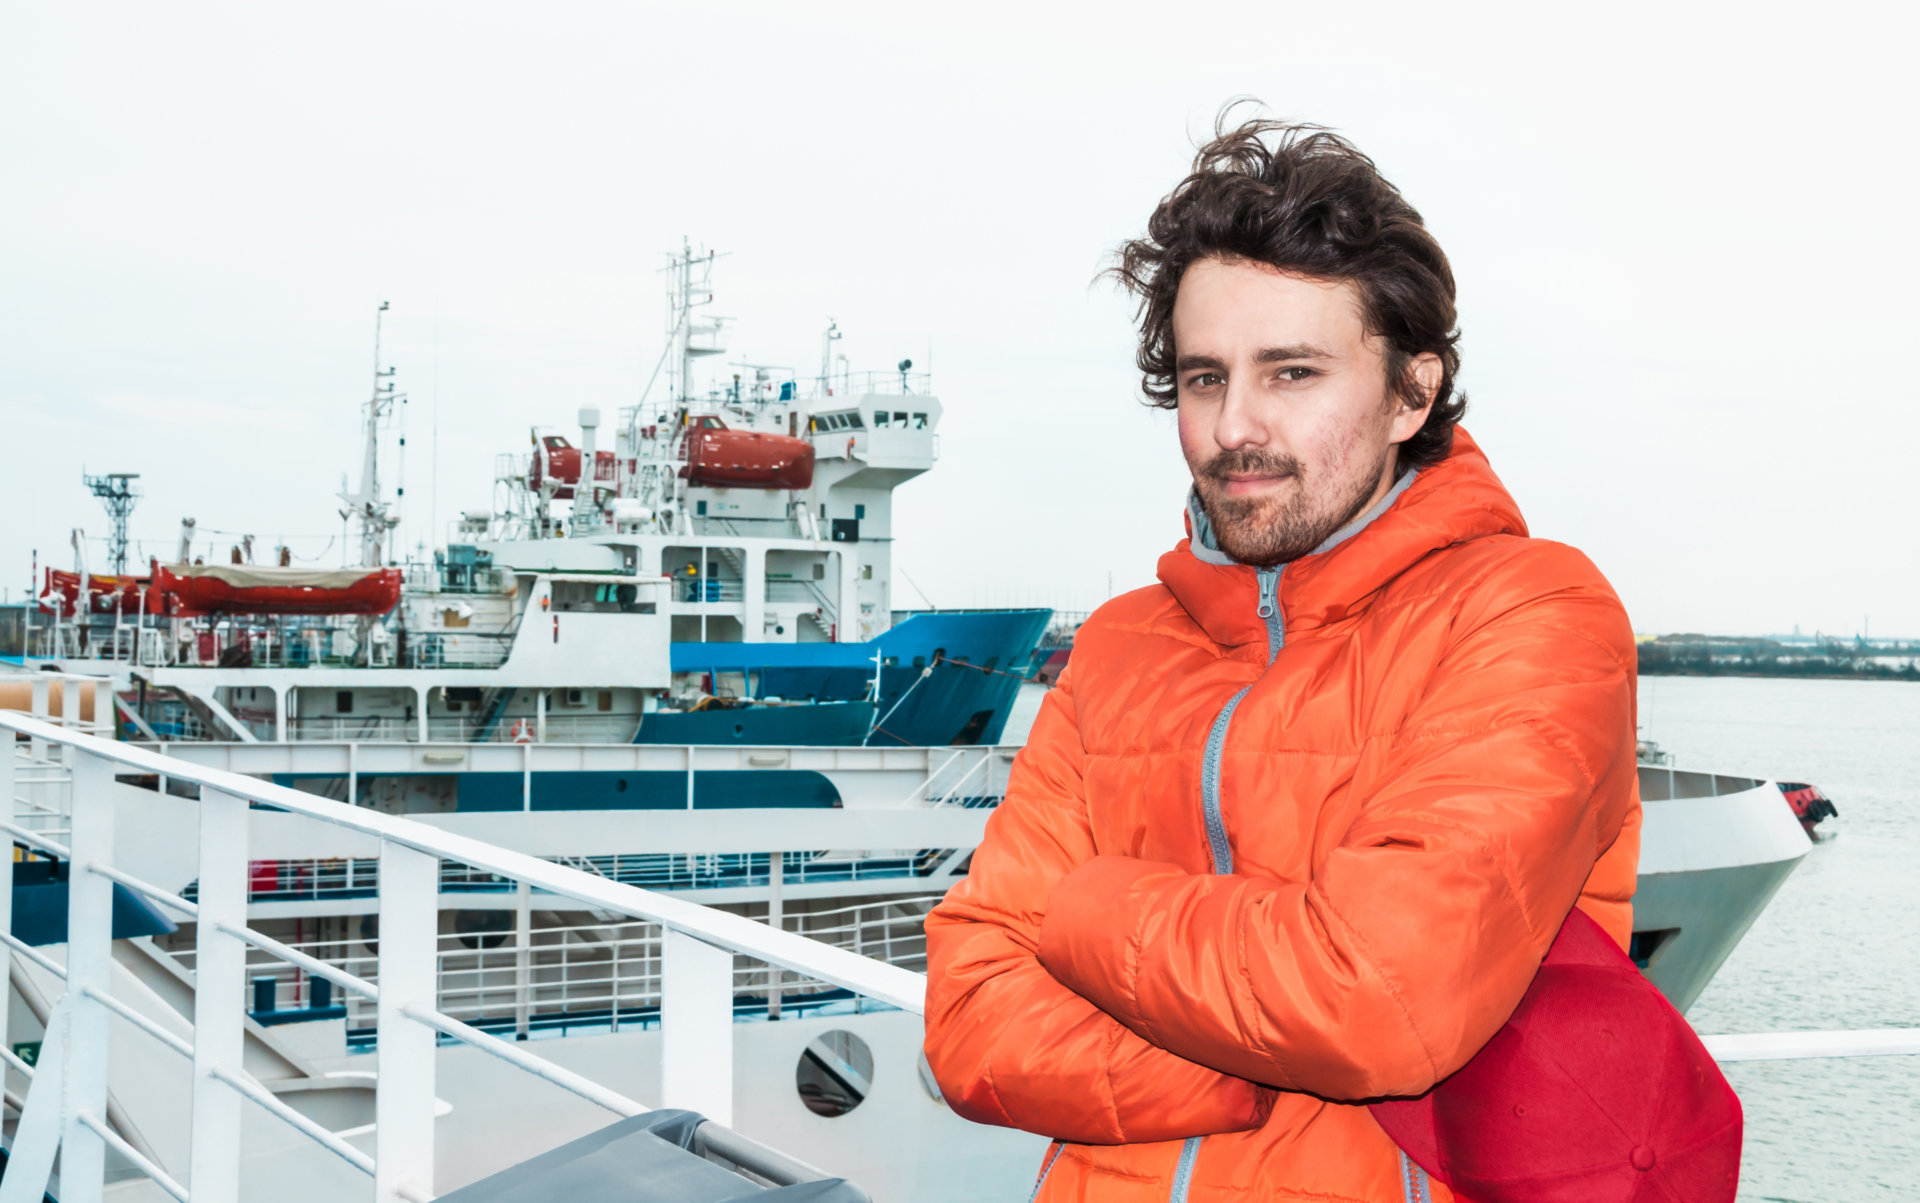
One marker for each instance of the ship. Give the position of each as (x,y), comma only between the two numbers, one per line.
(720,575)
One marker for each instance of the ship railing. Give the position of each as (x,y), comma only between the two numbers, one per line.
(613,727)
(850,387)
(789,590)
(500,972)
(702,589)
(352,728)
(323,879)
(64,1111)
(457,649)
(966,778)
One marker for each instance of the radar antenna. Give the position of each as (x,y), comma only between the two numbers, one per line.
(119,494)
(366,505)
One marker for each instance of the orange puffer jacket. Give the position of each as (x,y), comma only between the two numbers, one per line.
(1283,841)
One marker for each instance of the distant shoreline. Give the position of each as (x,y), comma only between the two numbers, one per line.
(1670,670)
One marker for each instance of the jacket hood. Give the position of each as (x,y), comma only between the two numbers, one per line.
(1455,501)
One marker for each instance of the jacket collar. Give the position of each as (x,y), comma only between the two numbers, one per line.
(1454,501)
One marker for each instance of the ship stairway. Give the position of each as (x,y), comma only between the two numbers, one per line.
(145,1079)
(497,702)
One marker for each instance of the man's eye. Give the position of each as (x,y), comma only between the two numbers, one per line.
(1205,380)
(1297,374)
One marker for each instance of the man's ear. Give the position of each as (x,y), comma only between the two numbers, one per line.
(1423,373)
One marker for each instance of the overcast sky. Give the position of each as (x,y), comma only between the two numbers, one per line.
(1685,244)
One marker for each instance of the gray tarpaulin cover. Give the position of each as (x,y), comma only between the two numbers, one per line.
(644,1159)
(253,576)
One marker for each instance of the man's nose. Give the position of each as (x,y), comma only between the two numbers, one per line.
(1241,421)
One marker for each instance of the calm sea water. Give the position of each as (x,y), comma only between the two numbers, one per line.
(1839,947)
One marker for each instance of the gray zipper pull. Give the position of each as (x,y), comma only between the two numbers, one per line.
(1270,609)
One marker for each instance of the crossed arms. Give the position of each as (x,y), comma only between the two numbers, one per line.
(1103,999)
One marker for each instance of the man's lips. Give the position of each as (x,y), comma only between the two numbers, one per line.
(1241,483)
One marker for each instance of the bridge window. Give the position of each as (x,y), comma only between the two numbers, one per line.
(919,421)
(879,418)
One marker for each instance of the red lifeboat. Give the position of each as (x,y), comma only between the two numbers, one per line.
(559,461)
(745,459)
(255,589)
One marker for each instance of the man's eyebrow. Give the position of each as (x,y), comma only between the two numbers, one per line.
(1189,363)
(1296,351)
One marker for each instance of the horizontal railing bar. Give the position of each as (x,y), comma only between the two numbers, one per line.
(165,897)
(1799,1046)
(339,977)
(37,839)
(566,1079)
(160,1177)
(245,1084)
(13,1059)
(32,954)
(140,1021)
(887,983)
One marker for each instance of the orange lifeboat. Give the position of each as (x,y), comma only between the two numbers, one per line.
(251,589)
(745,459)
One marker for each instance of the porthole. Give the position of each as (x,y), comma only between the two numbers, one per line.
(835,1073)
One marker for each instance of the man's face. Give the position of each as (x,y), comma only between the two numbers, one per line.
(1286,416)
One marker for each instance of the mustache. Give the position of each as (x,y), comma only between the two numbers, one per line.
(1249,463)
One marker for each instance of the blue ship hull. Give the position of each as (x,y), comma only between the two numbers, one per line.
(945,678)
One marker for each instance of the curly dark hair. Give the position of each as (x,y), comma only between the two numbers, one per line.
(1305,200)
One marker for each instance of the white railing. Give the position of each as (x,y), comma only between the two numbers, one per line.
(66,1099)
(975,765)
(586,976)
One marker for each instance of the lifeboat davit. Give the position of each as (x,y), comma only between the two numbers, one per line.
(745,459)
(263,589)
(559,461)
(105,594)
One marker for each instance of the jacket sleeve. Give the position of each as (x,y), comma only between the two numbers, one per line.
(1008,1044)
(1483,815)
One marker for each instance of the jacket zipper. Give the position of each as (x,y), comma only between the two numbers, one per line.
(1270,611)
(1217,842)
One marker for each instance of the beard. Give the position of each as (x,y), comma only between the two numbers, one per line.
(1265,531)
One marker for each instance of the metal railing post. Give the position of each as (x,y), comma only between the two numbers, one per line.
(219,998)
(776,919)
(522,958)
(89,967)
(696,1022)
(37,747)
(408,960)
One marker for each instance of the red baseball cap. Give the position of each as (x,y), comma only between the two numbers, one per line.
(1596,1090)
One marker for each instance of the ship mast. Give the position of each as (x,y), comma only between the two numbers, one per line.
(365,506)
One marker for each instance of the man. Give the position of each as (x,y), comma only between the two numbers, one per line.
(1299,823)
